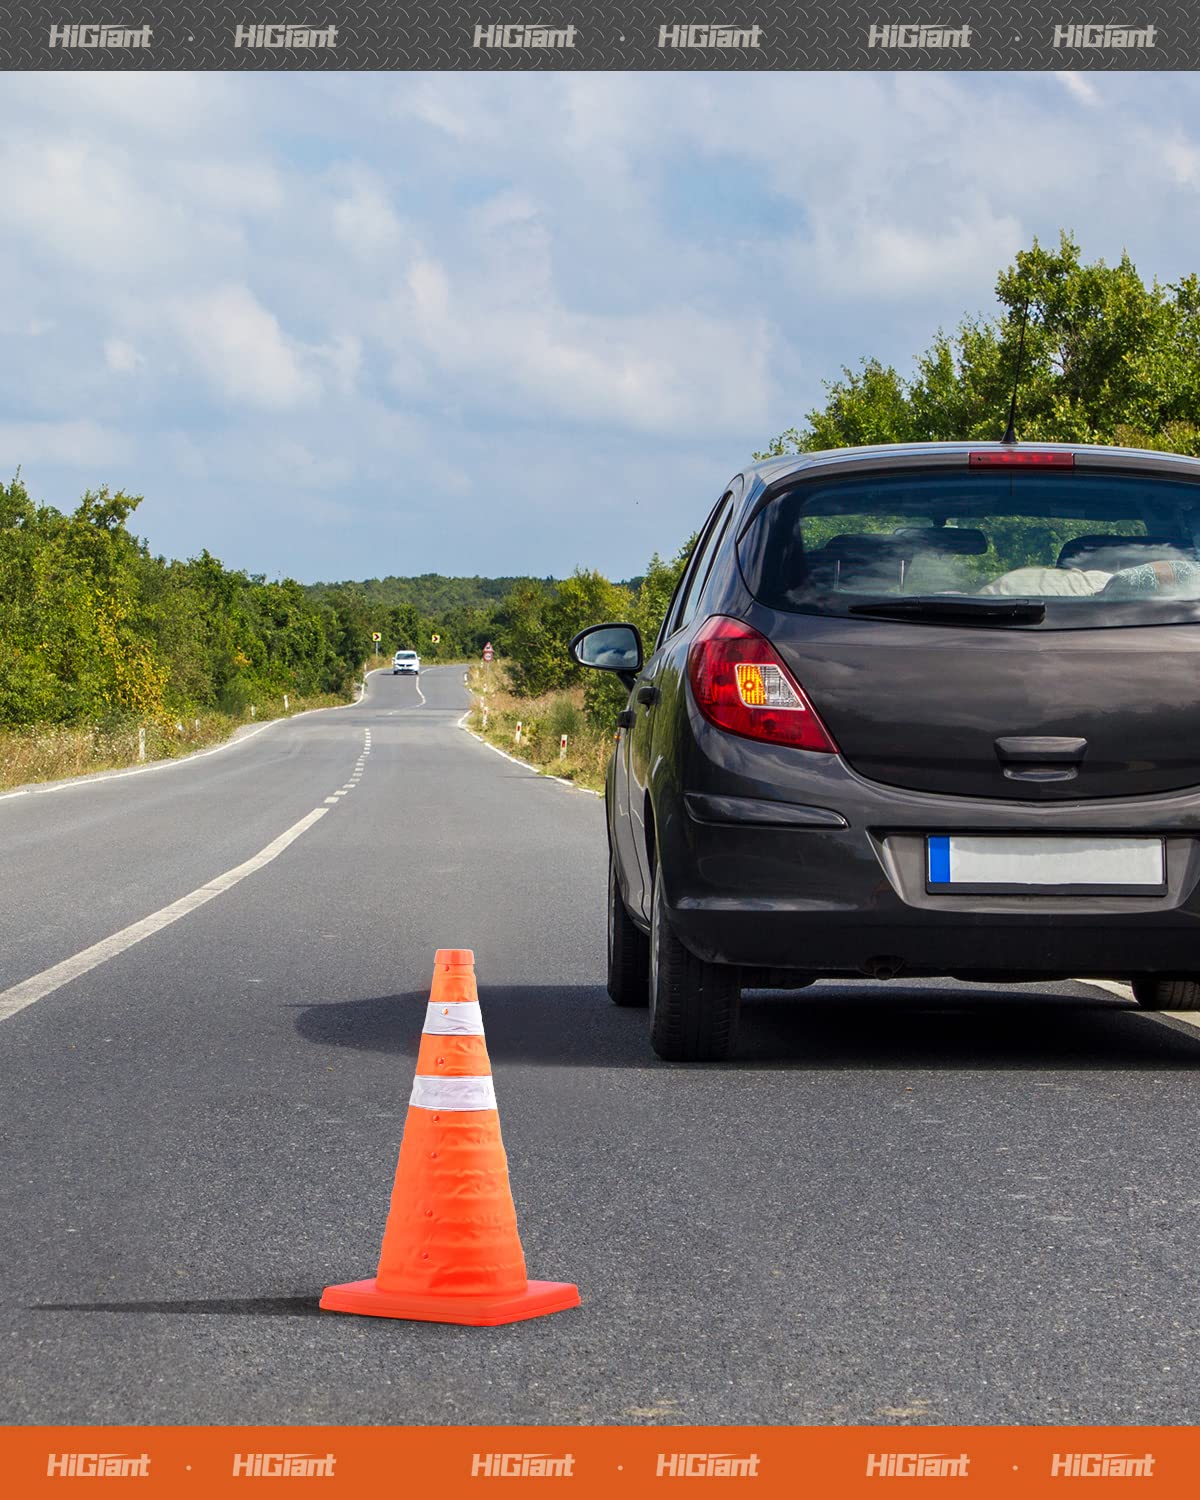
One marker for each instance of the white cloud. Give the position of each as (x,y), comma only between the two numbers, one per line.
(660,371)
(339,281)
(1080,87)
(229,186)
(81,443)
(1182,160)
(877,260)
(364,220)
(242,350)
(81,204)
(121,357)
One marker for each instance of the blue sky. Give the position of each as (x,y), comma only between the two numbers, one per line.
(346,326)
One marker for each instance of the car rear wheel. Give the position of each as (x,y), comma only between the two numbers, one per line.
(1156,992)
(693,1004)
(628,949)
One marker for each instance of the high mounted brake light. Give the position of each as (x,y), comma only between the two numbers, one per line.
(741,686)
(1026,457)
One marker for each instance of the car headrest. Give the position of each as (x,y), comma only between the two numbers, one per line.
(1112,554)
(961,541)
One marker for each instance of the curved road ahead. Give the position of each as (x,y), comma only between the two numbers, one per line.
(901,1204)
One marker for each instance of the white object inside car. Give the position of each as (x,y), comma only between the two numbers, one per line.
(1048,583)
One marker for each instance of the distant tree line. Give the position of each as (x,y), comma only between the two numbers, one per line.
(94,629)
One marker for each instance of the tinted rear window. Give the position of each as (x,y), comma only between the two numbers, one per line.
(1096,549)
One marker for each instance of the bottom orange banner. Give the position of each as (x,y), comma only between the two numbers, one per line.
(448,1462)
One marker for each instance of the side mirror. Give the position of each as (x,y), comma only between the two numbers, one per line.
(610,648)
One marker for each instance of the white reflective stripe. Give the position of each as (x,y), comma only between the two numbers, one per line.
(457,1018)
(453,1093)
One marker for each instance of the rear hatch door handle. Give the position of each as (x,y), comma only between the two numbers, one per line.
(1040,757)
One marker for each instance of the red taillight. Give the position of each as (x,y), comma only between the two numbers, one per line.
(1028,457)
(741,686)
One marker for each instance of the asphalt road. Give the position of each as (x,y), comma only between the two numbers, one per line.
(918,1204)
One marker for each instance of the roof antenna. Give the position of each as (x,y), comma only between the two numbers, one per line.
(1010,432)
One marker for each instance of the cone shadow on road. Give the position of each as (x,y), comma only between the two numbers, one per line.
(846,1025)
(301,1306)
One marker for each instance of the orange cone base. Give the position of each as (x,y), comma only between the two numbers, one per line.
(538,1298)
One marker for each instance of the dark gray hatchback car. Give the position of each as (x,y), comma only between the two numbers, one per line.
(914,710)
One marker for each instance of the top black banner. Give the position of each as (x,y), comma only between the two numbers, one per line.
(826,35)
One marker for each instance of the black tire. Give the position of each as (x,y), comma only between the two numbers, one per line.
(1156,992)
(693,1005)
(628,949)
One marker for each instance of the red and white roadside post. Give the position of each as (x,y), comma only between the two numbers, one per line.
(486,688)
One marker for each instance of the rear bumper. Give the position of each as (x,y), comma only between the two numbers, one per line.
(781,859)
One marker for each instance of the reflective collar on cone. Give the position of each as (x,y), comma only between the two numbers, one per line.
(455,1018)
(453,1093)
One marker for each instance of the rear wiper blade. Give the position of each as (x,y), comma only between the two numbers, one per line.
(964,611)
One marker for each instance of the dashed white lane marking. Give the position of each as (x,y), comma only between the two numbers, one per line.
(329,801)
(38,986)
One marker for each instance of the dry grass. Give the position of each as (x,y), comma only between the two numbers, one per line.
(53,752)
(542,721)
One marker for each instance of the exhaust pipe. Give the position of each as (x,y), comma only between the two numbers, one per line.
(883,967)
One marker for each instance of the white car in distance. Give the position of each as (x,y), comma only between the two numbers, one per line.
(406,662)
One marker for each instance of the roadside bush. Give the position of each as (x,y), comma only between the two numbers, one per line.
(563,716)
(235,697)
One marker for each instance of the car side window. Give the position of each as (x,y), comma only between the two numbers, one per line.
(704,567)
(683,604)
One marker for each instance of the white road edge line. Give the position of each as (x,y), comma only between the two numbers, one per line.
(183,760)
(1115,987)
(40,985)
(545,775)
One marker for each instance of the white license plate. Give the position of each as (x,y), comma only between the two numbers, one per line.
(969,862)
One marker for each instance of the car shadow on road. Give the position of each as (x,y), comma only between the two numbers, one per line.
(845,1025)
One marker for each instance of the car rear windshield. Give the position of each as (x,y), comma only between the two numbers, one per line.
(1085,550)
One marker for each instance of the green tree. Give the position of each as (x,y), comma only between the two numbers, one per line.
(536,627)
(1108,359)
(604,695)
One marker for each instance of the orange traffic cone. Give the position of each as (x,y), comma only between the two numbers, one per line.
(451,1252)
